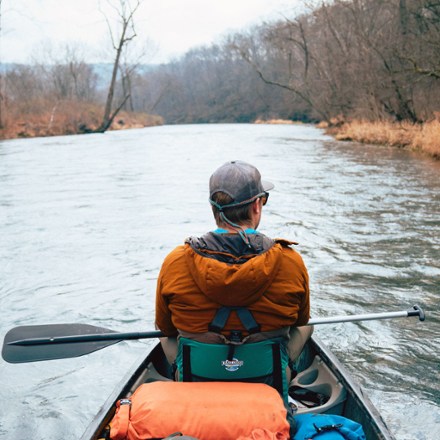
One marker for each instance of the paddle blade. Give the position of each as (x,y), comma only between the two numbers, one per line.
(41,352)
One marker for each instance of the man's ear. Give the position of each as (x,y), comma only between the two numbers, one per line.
(257,206)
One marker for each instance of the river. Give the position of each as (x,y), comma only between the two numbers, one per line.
(87,220)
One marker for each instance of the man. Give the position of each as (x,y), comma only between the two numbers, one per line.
(234,266)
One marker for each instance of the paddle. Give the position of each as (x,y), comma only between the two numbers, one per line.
(58,341)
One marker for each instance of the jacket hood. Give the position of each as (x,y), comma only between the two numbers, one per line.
(230,272)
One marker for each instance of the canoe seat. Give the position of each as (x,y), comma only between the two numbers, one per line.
(259,362)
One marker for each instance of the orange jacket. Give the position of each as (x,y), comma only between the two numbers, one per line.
(196,279)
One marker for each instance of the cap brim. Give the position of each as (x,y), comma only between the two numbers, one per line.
(267,186)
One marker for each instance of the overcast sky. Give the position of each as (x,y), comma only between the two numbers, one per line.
(30,28)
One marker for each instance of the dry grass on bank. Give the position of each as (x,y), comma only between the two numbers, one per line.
(67,117)
(423,137)
(273,121)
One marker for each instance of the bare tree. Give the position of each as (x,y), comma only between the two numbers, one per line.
(342,60)
(125,11)
(281,56)
(129,67)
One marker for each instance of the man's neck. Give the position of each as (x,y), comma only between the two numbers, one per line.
(223,229)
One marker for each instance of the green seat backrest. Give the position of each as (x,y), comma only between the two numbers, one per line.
(261,362)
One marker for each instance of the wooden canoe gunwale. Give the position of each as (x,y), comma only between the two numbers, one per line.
(357,402)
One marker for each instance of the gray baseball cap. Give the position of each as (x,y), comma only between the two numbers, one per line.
(239,180)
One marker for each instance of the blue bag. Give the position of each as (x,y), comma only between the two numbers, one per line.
(327,427)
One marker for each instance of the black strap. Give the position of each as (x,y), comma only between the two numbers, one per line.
(328,428)
(277,373)
(248,320)
(245,316)
(187,375)
(220,319)
(307,397)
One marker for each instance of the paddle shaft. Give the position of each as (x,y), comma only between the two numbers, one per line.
(101,337)
(98,337)
(415,311)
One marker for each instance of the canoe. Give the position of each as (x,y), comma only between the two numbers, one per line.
(318,371)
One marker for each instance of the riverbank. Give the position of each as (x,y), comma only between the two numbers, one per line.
(82,119)
(68,117)
(423,137)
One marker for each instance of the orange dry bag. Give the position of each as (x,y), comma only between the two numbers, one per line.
(205,410)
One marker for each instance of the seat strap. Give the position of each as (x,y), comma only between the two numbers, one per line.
(245,316)
(219,321)
(187,374)
(277,368)
(248,320)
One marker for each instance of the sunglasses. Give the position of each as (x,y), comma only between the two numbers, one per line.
(265,198)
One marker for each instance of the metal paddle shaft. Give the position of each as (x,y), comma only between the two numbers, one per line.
(59,341)
(414,311)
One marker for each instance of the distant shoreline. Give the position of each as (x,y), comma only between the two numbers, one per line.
(423,137)
(81,118)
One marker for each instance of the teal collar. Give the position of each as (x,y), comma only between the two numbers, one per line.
(224,231)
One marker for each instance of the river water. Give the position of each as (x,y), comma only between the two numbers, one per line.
(87,220)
